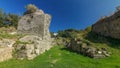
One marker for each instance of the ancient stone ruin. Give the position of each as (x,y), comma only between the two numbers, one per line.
(109,26)
(85,48)
(35,25)
(6,49)
(31,39)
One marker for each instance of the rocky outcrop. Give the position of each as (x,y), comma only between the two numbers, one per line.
(35,25)
(108,26)
(6,49)
(85,47)
(7,43)
(31,46)
(5,53)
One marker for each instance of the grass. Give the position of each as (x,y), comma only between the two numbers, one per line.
(9,36)
(20,42)
(59,57)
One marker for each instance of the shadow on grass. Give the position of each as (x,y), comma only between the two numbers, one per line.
(72,51)
(68,49)
(95,38)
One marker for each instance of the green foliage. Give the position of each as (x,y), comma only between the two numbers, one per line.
(88,29)
(13,19)
(2,18)
(9,36)
(8,19)
(4,35)
(52,34)
(19,42)
(69,33)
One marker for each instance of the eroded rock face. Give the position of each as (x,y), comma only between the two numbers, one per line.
(6,43)
(108,26)
(6,49)
(31,46)
(36,23)
(37,40)
(5,53)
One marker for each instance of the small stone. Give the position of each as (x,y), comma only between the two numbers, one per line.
(37,51)
(84,45)
(99,52)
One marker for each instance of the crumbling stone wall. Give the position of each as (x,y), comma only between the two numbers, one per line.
(31,46)
(108,26)
(36,26)
(85,48)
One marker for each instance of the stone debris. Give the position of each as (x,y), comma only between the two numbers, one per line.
(88,50)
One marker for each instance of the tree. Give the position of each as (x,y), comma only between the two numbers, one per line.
(13,19)
(8,19)
(2,17)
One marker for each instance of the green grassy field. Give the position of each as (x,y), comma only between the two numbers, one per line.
(59,57)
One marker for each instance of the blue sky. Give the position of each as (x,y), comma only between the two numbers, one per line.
(77,14)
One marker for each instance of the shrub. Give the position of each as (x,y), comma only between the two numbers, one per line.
(8,19)
(88,29)
(30,9)
(69,33)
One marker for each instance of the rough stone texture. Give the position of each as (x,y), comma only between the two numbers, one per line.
(6,49)
(85,48)
(108,26)
(31,46)
(35,24)
(38,39)
(6,42)
(5,53)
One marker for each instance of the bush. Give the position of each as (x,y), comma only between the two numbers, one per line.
(88,29)
(69,33)
(8,19)
(30,9)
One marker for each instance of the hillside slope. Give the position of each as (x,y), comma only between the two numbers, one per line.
(61,57)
